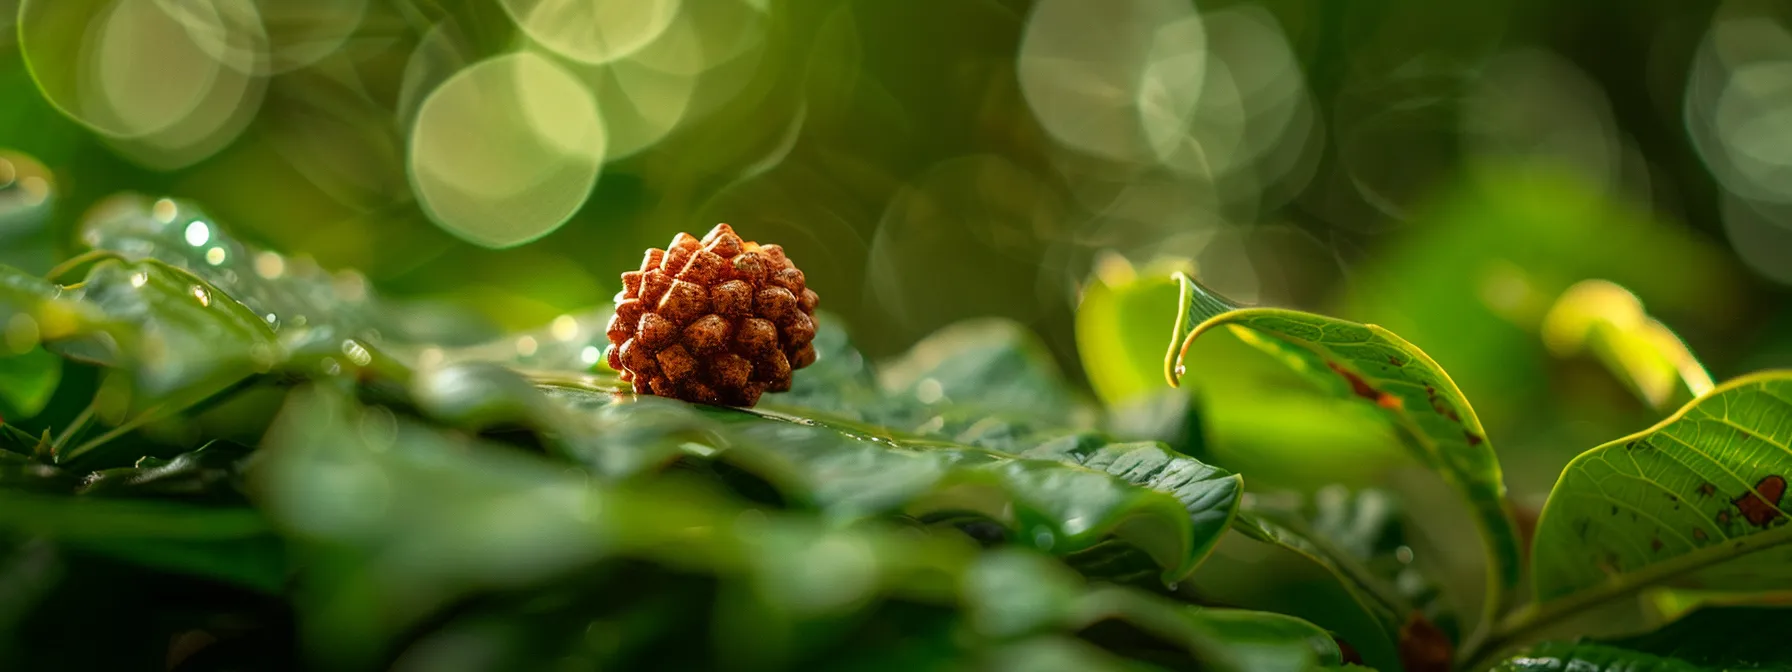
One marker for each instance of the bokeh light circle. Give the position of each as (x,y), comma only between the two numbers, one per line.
(267,36)
(592,31)
(1119,79)
(506,150)
(124,68)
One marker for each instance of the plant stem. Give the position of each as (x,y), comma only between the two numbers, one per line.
(77,261)
(1525,624)
(74,429)
(147,415)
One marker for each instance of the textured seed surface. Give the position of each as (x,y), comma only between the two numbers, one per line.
(719,320)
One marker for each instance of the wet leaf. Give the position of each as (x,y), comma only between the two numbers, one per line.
(180,338)
(417,519)
(1063,495)
(1411,392)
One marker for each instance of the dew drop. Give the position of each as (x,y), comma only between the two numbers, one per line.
(1181,370)
(205,297)
(198,233)
(330,366)
(356,353)
(139,279)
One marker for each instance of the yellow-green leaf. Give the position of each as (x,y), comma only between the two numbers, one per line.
(1640,351)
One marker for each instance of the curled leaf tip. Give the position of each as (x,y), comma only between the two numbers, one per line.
(1196,304)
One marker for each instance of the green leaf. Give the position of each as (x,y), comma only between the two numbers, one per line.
(231,544)
(1698,495)
(1708,641)
(406,522)
(178,336)
(302,298)
(1411,392)
(1386,607)
(993,366)
(28,379)
(1063,495)
(1639,350)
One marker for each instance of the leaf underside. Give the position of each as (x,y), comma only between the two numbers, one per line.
(1699,496)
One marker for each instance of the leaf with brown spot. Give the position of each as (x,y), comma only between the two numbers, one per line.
(1409,391)
(1760,506)
(1732,440)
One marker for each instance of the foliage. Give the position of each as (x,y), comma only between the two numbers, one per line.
(273,461)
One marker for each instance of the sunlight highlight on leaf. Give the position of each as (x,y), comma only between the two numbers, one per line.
(1640,351)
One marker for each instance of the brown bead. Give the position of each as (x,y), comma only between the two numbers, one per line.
(664,387)
(636,358)
(790,279)
(800,330)
(756,336)
(776,304)
(774,370)
(679,252)
(676,362)
(731,370)
(652,259)
(774,254)
(706,334)
(619,329)
(720,320)
(705,268)
(726,246)
(749,394)
(655,331)
(732,298)
(684,302)
(654,284)
(701,393)
(749,267)
(720,232)
(630,311)
(804,356)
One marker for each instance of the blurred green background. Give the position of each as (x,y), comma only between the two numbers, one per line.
(1443,169)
